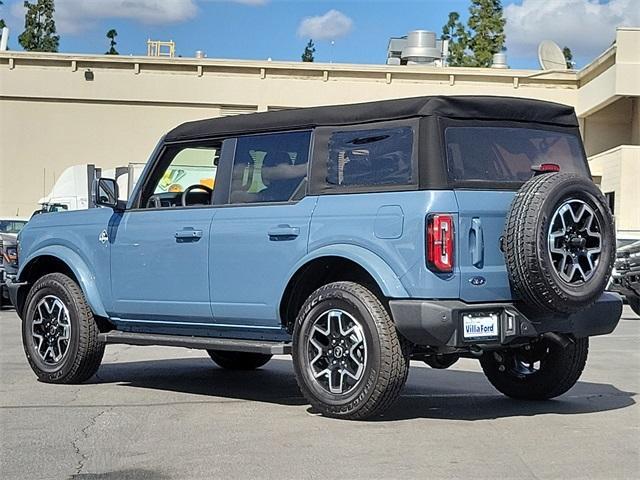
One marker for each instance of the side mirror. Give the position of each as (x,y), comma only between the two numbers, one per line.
(106,193)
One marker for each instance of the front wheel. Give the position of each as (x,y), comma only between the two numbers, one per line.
(542,370)
(59,332)
(348,358)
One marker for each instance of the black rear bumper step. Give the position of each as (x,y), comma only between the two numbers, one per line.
(203,343)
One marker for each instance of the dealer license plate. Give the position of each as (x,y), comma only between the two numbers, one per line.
(480,326)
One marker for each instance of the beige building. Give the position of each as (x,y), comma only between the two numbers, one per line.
(58,110)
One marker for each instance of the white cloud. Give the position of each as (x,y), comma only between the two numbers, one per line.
(585,26)
(74,16)
(330,26)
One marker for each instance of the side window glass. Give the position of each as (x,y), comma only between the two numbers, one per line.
(184,177)
(360,158)
(270,168)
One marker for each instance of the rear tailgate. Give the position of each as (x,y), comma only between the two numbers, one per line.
(483,274)
(487,162)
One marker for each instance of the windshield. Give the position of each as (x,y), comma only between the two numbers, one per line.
(12,226)
(504,154)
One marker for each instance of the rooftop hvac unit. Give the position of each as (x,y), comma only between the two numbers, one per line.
(499,60)
(421,48)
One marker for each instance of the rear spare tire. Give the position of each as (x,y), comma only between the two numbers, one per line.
(559,243)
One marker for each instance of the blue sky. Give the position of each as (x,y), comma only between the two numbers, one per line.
(278,29)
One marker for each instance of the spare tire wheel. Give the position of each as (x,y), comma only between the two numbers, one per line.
(559,243)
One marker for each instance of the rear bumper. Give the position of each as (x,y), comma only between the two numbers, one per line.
(438,323)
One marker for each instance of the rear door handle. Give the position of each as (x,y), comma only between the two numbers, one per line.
(283,232)
(476,243)
(188,234)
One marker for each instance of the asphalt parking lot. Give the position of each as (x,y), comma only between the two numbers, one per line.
(162,413)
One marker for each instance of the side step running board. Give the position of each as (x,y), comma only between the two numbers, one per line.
(204,343)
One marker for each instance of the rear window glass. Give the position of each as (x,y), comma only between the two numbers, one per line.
(503,154)
(360,158)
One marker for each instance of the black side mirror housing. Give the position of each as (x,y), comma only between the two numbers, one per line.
(106,194)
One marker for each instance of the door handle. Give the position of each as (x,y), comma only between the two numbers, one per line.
(188,234)
(476,243)
(283,232)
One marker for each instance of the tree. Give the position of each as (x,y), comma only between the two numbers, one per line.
(483,37)
(487,25)
(458,37)
(309,50)
(2,24)
(568,57)
(39,27)
(111,35)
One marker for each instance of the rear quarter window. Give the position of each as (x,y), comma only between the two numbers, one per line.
(361,158)
(365,158)
(505,154)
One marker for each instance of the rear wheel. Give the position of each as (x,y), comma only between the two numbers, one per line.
(542,370)
(59,332)
(238,360)
(348,358)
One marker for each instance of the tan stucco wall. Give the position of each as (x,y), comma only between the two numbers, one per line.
(51,117)
(620,172)
(610,126)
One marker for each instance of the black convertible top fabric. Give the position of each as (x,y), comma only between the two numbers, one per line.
(463,107)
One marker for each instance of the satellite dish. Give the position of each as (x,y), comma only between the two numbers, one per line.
(550,56)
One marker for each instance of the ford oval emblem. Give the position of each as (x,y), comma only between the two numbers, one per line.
(477,281)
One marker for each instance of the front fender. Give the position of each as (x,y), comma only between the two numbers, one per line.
(380,270)
(86,278)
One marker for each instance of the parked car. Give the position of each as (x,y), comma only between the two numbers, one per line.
(9,229)
(625,278)
(353,237)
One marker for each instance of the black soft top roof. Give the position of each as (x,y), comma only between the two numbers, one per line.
(469,107)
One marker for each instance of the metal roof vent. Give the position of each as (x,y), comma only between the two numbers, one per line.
(421,47)
(499,60)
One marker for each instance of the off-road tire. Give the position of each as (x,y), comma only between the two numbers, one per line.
(634,303)
(84,352)
(387,364)
(238,360)
(559,371)
(532,275)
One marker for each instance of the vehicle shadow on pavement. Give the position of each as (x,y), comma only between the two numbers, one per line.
(429,393)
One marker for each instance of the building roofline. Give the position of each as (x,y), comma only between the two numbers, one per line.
(275,66)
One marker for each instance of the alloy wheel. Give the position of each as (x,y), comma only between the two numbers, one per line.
(336,352)
(575,241)
(51,329)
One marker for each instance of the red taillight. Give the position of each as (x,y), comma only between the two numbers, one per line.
(440,242)
(546,167)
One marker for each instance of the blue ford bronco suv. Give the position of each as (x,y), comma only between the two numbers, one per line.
(355,238)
